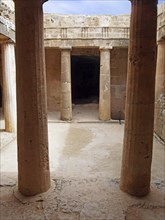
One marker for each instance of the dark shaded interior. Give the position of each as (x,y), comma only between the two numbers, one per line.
(85,79)
(0,77)
(0,96)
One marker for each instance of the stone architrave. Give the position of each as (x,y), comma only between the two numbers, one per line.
(66,98)
(104,94)
(32,136)
(9,86)
(138,135)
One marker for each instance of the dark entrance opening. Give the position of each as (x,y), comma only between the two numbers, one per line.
(85,79)
(0,96)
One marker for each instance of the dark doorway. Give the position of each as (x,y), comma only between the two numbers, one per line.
(0,96)
(85,79)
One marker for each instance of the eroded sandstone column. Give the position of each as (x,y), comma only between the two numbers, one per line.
(33,163)
(66,99)
(9,85)
(104,96)
(138,136)
(160,90)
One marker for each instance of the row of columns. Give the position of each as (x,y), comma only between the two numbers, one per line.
(32,134)
(104,96)
(9,82)
(9,85)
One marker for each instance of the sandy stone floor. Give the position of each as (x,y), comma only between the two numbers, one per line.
(85,161)
(5,137)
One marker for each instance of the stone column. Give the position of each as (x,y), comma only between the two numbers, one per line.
(138,135)
(66,98)
(9,85)
(104,96)
(33,163)
(160,89)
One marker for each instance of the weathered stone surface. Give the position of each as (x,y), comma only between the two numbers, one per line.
(32,132)
(85,161)
(7,20)
(118,63)
(161,22)
(66,99)
(7,30)
(160,92)
(90,32)
(81,30)
(139,123)
(7,10)
(9,86)
(53,78)
(104,96)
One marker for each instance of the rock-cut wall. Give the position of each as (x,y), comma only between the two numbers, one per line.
(160,76)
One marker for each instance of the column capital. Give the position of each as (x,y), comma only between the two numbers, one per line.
(161,42)
(6,41)
(65,48)
(29,1)
(142,1)
(106,48)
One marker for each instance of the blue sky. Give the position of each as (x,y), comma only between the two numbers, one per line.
(112,7)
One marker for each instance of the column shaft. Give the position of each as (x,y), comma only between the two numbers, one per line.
(138,136)
(66,99)
(9,86)
(160,91)
(104,97)
(33,163)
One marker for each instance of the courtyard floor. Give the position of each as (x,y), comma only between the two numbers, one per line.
(85,163)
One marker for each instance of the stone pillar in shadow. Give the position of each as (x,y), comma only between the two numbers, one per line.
(32,136)
(66,97)
(140,92)
(9,85)
(104,94)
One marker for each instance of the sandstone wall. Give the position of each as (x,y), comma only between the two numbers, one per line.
(160,92)
(161,22)
(118,65)
(53,77)
(159,126)
(85,31)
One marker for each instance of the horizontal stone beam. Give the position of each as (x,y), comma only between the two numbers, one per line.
(58,43)
(7,29)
